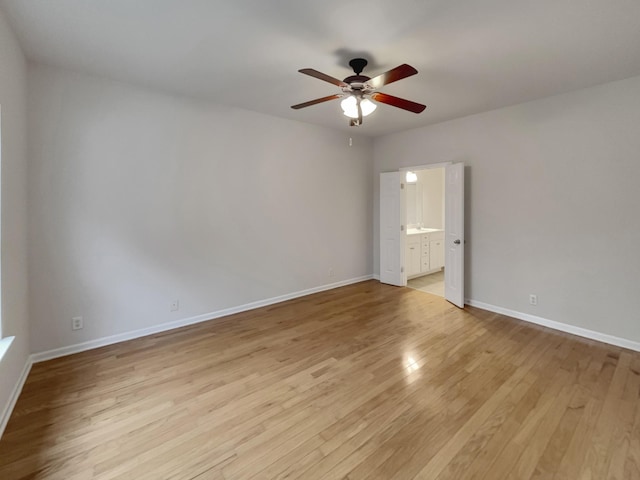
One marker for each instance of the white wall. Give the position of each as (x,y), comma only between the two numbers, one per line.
(138,198)
(552,198)
(13,73)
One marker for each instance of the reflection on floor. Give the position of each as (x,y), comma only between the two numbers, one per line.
(433,283)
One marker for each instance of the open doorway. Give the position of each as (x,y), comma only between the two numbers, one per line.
(399,227)
(424,235)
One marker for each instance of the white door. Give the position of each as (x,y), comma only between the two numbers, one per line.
(391,229)
(454,234)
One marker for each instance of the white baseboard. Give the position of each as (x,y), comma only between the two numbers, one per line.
(563,327)
(17,389)
(122,337)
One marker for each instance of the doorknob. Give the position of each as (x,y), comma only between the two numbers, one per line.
(457,242)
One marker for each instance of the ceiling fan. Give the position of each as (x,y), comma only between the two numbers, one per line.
(358,89)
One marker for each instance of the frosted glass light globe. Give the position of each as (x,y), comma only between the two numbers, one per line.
(350,106)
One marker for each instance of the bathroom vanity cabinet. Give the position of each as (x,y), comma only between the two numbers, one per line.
(424,251)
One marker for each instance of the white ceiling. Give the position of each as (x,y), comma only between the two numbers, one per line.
(472,55)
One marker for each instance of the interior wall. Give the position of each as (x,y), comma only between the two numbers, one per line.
(551,203)
(139,198)
(13,72)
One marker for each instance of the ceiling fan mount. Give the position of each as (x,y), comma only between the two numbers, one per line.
(357,89)
(358,65)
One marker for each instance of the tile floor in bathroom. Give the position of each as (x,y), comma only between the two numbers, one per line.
(433,283)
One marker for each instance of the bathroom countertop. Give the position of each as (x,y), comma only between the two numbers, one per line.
(416,231)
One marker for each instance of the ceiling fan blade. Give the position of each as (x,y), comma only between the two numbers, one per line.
(398,102)
(393,75)
(323,76)
(316,101)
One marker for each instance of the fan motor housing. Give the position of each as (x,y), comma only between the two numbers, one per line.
(356,79)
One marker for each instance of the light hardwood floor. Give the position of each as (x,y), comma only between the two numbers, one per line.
(365,381)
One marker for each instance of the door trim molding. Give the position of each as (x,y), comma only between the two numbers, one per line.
(425,167)
(15,394)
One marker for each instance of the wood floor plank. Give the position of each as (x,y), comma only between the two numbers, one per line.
(466,432)
(632,461)
(621,436)
(556,448)
(597,460)
(441,389)
(478,455)
(366,381)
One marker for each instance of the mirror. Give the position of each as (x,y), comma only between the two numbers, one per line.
(414,205)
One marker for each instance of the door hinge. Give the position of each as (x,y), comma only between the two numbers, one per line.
(402,228)
(401,186)
(401,269)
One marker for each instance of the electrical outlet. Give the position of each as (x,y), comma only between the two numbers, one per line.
(331,273)
(533,299)
(77,323)
(175,306)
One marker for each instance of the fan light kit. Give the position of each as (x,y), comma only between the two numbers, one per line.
(358,91)
(350,106)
